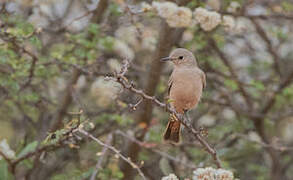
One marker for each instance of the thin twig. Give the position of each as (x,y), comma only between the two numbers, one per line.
(157,151)
(101,159)
(7,159)
(116,151)
(275,146)
(261,32)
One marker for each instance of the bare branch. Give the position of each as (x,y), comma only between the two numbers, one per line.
(232,71)
(99,163)
(157,151)
(263,35)
(117,152)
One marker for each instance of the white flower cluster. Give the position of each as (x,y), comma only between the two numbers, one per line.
(170,177)
(229,23)
(210,173)
(105,91)
(123,50)
(175,16)
(129,35)
(4,147)
(146,7)
(233,6)
(208,20)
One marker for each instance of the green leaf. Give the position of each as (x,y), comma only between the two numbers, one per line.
(36,42)
(94,28)
(258,85)
(28,148)
(107,43)
(170,100)
(115,9)
(4,173)
(232,84)
(287,6)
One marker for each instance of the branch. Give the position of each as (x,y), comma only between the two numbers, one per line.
(7,159)
(120,78)
(273,145)
(263,35)
(6,38)
(149,146)
(117,152)
(65,102)
(232,71)
(264,17)
(99,163)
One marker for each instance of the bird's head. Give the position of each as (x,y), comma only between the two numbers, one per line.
(181,57)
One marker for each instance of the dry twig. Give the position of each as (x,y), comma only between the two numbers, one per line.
(116,151)
(104,152)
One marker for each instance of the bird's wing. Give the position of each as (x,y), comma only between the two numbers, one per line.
(170,83)
(203,78)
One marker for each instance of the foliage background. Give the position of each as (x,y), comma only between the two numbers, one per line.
(54,56)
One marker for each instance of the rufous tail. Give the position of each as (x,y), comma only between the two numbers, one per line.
(172,132)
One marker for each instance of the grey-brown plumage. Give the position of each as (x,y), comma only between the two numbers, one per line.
(185,88)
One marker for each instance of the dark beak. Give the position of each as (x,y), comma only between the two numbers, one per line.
(166,59)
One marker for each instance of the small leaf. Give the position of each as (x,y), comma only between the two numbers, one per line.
(36,42)
(258,85)
(170,100)
(28,148)
(232,84)
(4,173)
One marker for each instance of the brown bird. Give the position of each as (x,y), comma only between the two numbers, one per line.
(185,88)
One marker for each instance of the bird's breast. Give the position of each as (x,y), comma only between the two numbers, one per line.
(186,90)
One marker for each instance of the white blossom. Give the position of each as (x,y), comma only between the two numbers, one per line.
(208,20)
(170,177)
(242,25)
(146,7)
(5,148)
(174,15)
(210,173)
(182,18)
(105,91)
(222,174)
(233,7)
(204,174)
(165,9)
(228,22)
(114,64)
(214,4)
(128,34)
(123,50)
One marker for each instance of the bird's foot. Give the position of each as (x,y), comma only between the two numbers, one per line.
(173,117)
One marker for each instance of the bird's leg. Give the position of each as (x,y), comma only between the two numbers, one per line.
(186,117)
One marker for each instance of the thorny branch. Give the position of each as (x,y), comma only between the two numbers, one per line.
(120,78)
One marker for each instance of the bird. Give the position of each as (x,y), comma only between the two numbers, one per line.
(185,87)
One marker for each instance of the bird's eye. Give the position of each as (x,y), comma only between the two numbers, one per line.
(180,57)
